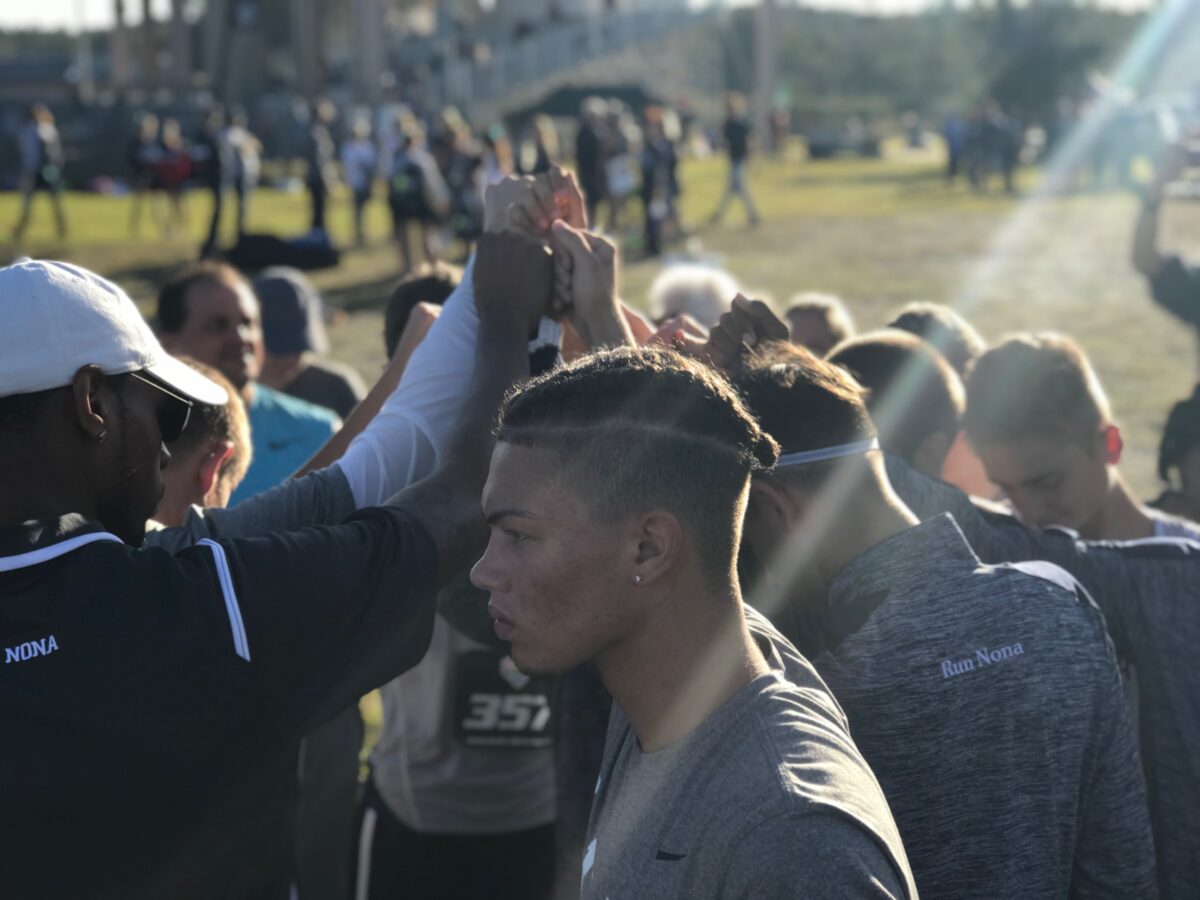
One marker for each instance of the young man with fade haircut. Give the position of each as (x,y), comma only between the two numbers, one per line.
(209,458)
(460,800)
(1042,425)
(209,312)
(1147,591)
(952,674)
(915,399)
(818,322)
(145,692)
(721,776)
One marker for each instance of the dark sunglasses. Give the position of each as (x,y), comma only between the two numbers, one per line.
(172,417)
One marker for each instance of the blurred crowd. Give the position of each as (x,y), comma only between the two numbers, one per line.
(705,600)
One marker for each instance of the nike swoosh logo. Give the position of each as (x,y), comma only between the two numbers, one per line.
(669,857)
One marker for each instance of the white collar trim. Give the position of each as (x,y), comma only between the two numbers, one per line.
(54,551)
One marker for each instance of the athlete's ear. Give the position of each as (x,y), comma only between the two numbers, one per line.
(1114,445)
(658,541)
(210,466)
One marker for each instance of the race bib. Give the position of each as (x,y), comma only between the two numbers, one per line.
(498,706)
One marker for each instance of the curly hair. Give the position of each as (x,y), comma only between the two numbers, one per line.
(1181,434)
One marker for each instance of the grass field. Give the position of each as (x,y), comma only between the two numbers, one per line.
(877,233)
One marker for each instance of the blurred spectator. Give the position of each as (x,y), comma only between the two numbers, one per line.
(433,285)
(417,193)
(738,135)
(819,321)
(209,312)
(540,151)
(659,165)
(41,162)
(497,155)
(591,153)
(142,156)
(293,331)
(171,173)
(245,153)
(1179,460)
(702,292)
(360,160)
(319,156)
(624,139)
(1174,282)
(954,133)
(212,156)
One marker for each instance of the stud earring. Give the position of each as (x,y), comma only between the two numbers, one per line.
(637,579)
(101,436)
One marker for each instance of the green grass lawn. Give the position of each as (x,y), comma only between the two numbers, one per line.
(879,233)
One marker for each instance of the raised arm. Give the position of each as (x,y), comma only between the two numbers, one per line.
(1147,257)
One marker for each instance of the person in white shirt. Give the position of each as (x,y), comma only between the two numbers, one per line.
(359,160)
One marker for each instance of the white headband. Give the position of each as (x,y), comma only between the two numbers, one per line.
(823,453)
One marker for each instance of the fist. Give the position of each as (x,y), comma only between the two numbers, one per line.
(514,276)
(747,324)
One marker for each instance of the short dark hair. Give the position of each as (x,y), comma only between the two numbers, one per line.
(172,306)
(639,429)
(1035,385)
(433,284)
(831,310)
(1181,434)
(912,392)
(209,423)
(805,403)
(945,330)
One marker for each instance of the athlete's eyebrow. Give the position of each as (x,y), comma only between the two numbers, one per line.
(499,514)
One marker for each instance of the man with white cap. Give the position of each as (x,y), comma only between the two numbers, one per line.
(142,692)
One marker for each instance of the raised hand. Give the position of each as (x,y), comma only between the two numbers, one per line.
(747,324)
(514,277)
(590,286)
(531,203)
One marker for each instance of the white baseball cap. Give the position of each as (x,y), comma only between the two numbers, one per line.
(56,318)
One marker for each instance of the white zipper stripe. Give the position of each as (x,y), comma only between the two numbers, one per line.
(240,644)
(366,844)
(45,554)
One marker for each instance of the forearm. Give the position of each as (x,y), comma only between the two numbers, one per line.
(359,419)
(1147,258)
(604,327)
(407,438)
(448,503)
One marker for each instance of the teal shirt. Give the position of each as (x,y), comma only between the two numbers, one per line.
(285,433)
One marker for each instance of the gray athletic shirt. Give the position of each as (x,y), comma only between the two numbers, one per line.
(988,702)
(767,799)
(1150,594)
